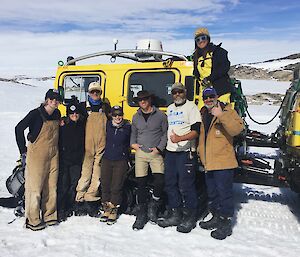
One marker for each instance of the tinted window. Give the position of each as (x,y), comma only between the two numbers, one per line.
(158,83)
(78,86)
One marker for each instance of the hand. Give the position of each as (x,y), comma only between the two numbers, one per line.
(174,137)
(206,82)
(217,110)
(154,150)
(136,146)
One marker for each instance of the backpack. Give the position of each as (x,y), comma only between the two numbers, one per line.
(15,183)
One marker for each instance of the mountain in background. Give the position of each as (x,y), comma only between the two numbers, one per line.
(280,69)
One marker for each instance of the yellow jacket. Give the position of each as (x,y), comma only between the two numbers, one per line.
(217,152)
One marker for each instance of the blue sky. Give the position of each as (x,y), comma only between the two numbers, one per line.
(250,30)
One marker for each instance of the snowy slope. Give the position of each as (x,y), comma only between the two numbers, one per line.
(273,65)
(266,218)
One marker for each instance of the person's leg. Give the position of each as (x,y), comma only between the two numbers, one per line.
(118,176)
(224,183)
(92,194)
(86,176)
(34,180)
(171,180)
(187,176)
(49,193)
(186,180)
(106,179)
(74,175)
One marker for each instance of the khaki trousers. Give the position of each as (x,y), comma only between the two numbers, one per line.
(89,182)
(41,176)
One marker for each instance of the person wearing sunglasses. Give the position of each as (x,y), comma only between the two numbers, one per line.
(180,161)
(148,139)
(114,164)
(41,157)
(220,123)
(211,65)
(88,196)
(71,152)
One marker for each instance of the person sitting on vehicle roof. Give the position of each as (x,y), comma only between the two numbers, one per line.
(211,65)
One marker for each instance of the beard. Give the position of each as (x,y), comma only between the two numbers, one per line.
(179,100)
(211,104)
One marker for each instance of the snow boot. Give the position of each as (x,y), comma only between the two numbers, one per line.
(213,223)
(112,218)
(188,222)
(93,208)
(173,218)
(141,217)
(224,229)
(79,209)
(153,208)
(38,227)
(106,208)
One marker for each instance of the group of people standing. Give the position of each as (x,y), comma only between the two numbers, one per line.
(66,161)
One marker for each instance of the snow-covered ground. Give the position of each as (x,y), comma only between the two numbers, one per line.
(266,221)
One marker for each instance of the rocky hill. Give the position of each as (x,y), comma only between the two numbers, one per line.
(280,69)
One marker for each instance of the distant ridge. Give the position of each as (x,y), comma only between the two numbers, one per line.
(280,69)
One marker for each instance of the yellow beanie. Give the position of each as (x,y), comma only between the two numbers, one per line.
(202,31)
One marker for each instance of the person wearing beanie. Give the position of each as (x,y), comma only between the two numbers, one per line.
(114,164)
(88,195)
(220,123)
(41,158)
(211,65)
(71,152)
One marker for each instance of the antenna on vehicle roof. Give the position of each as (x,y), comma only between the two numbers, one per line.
(115,41)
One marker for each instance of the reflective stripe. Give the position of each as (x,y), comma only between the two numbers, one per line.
(296,132)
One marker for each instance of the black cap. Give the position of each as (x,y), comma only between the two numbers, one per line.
(73,108)
(53,94)
(117,110)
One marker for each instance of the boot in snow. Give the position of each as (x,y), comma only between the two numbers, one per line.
(141,217)
(79,209)
(224,229)
(93,208)
(213,223)
(188,222)
(173,218)
(107,209)
(153,208)
(112,218)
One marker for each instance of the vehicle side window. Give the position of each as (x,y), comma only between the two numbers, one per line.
(77,85)
(158,83)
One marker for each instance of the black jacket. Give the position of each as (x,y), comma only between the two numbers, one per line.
(220,67)
(117,141)
(34,121)
(71,142)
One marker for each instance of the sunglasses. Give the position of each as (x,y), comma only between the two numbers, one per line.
(208,96)
(201,38)
(117,114)
(57,99)
(175,92)
(144,99)
(95,92)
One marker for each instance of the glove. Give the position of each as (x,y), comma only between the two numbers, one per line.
(23,159)
(205,82)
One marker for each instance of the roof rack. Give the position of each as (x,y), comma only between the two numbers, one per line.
(137,55)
